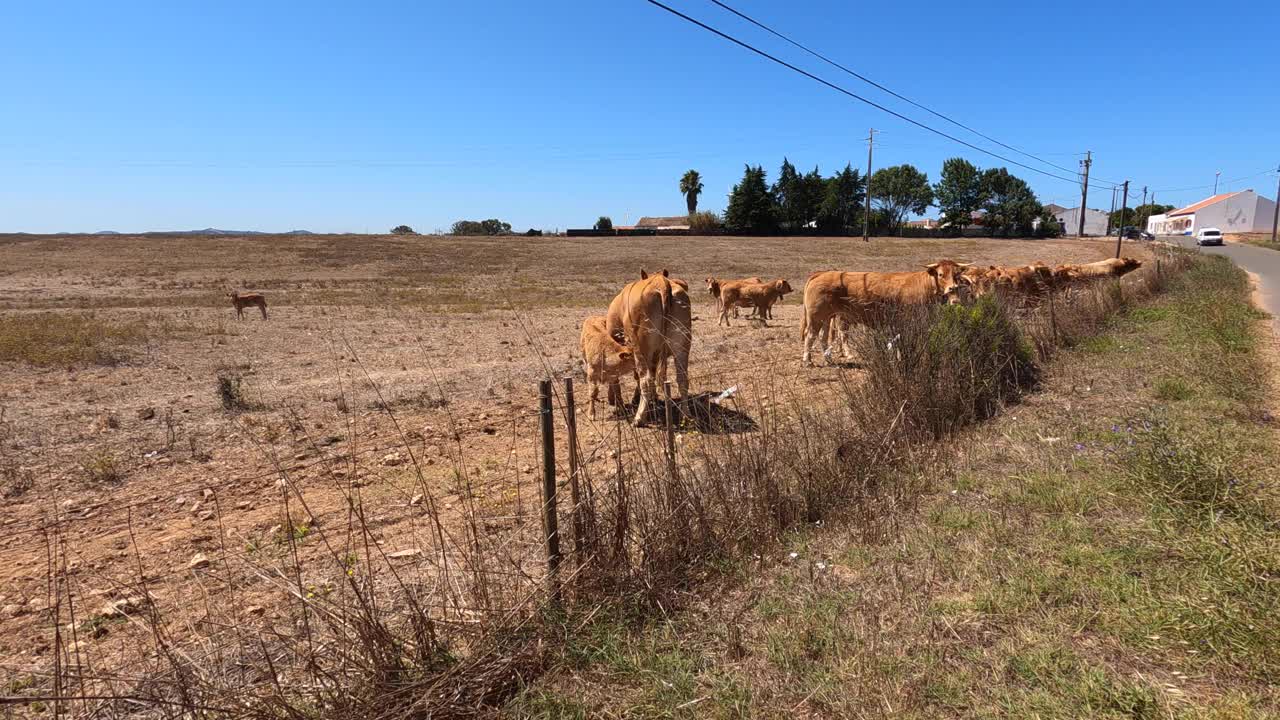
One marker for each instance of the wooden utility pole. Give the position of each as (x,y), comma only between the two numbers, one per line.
(866,213)
(1084,191)
(1275,218)
(1124,210)
(1111,214)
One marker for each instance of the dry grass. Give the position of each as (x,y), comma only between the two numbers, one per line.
(312,504)
(60,339)
(1099,551)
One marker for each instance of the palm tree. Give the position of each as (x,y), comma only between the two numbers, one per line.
(691,188)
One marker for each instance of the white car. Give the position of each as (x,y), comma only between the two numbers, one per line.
(1209,236)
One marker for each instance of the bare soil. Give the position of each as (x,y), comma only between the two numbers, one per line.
(139,465)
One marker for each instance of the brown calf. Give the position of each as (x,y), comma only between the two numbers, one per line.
(605,361)
(761,296)
(243,300)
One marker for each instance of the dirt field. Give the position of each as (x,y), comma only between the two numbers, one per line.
(128,459)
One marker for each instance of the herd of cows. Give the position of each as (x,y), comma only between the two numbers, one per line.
(650,322)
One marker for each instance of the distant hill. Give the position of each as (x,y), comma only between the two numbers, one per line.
(206,231)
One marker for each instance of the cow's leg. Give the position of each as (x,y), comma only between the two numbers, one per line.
(724,318)
(239,313)
(595,393)
(263,308)
(762,313)
(648,393)
(815,328)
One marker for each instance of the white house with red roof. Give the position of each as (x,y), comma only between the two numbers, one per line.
(1234,212)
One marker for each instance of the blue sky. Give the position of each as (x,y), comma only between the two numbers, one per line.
(360,116)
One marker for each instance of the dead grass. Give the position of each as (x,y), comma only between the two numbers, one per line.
(1101,550)
(353,625)
(52,339)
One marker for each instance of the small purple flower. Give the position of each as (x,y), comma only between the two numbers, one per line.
(1079,447)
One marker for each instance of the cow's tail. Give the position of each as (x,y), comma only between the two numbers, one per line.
(804,320)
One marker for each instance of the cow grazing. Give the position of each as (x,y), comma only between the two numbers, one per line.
(862,297)
(759,295)
(243,300)
(654,317)
(1111,267)
(605,361)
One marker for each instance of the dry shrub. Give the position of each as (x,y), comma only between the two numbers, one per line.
(933,370)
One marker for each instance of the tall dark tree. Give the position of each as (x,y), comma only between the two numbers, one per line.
(959,191)
(402,230)
(841,208)
(1011,207)
(787,192)
(813,190)
(751,207)
(691,188)
(900,190)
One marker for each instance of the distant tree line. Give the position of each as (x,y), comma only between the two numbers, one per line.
(1137,216)
(480,227)
(798,202)
(795,202)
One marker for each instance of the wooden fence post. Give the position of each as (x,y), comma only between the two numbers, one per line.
(671,430)
(550,522)
(571,420)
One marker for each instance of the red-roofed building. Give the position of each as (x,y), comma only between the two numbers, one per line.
(1234,212)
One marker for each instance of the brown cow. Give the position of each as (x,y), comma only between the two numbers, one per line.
(862,296)
(1026,282)
(243,300)
(715,287)
(654,317)
(758,295)
(605,361)
(1111,267)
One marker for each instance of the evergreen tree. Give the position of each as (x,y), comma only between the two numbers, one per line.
(752,209)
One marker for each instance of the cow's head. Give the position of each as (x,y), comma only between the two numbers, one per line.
(620,362)
(713,286)
(644,275)
(1127,265)
(783,286)
(949,279)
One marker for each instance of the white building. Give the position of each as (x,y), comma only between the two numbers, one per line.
(1095,221)
(1236,212)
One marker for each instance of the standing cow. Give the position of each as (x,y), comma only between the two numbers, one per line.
(862,297)
(653,316)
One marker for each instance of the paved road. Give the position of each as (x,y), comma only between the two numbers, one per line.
(1260,261)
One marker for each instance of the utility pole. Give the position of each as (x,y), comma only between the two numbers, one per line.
(1275,218)
(866,213)
(1215,181)
(1084,191)
(1124,210)
(1147,210)
(1111,215)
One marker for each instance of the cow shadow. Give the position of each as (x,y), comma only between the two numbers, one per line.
(699,414)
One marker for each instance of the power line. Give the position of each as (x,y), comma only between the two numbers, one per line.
(850,93)
(1268,171)
(877,85)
